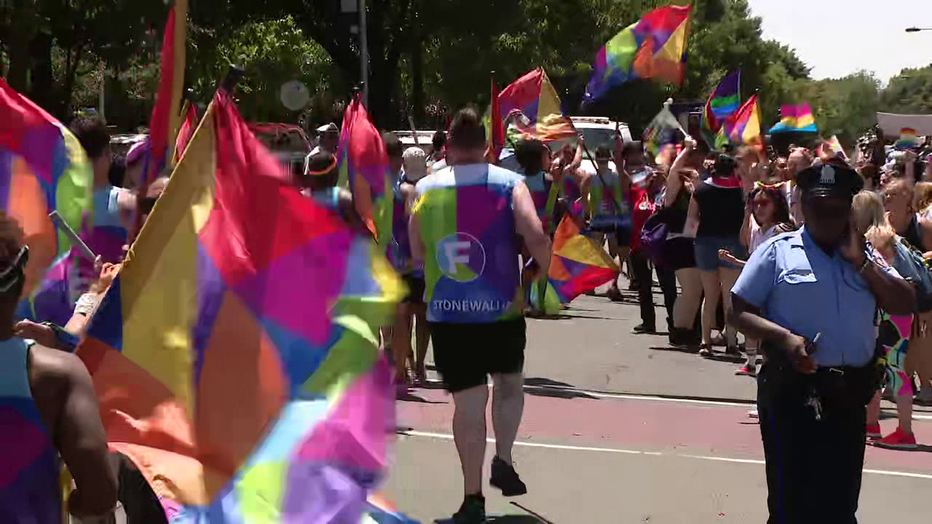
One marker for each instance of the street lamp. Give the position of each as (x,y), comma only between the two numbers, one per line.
(917,29)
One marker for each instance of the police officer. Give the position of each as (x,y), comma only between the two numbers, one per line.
(811,297)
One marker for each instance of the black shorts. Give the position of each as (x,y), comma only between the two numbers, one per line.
(416,286)
(466,354)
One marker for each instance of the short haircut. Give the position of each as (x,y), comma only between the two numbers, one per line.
(440,140)
(603,151)
(529,154)
(91,132)
(392,145)
(467,131)
(631,148)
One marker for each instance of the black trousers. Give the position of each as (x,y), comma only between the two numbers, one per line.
(642,273)
(813,466)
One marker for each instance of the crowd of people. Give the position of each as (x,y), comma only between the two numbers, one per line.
(819,263)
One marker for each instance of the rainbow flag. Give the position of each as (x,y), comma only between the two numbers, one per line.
(722,103)
(834,145)
(909,138)
(43,168)
(236,357)
(363,165)
(532,106)
(166,118)
(795,119)
(578,264)
(743,127)
(663,120)
(652,47)
(494,130)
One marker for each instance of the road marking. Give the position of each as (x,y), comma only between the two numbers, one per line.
(446,436)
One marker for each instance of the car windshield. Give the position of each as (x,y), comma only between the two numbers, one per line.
(597,136)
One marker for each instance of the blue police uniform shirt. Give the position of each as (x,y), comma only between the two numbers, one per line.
(797,285)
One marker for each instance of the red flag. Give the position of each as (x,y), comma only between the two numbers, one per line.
(185,132)
(165,114)
(497,130)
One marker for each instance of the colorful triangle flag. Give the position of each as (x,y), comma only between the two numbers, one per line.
(578,264)
(532,106)
(232,360)
(722,103)
(743,127)
(653,47)
(43,168)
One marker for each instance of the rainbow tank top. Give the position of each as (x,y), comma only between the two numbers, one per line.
(545,198)
(468,228)
(569,189)
(29,475)
(108,234)
(605,201)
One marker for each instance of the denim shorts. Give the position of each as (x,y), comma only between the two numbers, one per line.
(707,252)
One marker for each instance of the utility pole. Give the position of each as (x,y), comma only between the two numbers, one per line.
(363,53)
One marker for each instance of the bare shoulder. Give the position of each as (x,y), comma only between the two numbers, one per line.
(55,370)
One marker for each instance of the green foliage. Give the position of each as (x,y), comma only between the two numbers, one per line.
(273,52)
(909,92)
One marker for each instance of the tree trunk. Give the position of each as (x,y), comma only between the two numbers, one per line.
(42,89)
(21,31)
(417,76)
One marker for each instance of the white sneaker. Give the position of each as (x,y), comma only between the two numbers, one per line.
(753,414)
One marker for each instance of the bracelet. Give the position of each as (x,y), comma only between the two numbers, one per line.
(867,261)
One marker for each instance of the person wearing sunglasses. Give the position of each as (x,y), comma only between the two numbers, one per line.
(48,409)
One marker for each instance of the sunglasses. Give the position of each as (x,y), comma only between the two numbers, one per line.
(10,276)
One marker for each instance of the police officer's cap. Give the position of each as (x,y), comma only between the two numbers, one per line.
(830,179)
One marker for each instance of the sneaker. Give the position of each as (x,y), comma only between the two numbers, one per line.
(747,370)
(719,340)
(643,329)
(472,511)
(705,351)
(505,478)
(897,440)
(873,431)
(752,413)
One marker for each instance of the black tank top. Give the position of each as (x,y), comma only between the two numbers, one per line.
(913,235)
(721,210)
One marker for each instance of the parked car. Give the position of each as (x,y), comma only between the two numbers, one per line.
(287,142)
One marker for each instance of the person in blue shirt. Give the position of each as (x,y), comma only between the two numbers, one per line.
(811,297)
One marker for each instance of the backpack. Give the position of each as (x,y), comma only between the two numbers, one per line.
(911,266)
(654,238)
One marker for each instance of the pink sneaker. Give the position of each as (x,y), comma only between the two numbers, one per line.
(748,370)
(897,440)
(873,431)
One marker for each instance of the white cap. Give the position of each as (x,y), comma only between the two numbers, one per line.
(331,128)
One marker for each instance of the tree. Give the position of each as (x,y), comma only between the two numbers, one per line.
(909,92)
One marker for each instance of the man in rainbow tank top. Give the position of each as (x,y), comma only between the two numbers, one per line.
(48,409)
(467,227)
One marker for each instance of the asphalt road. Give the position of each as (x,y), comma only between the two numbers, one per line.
(622,428)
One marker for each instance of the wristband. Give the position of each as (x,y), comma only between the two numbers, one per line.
(65,340)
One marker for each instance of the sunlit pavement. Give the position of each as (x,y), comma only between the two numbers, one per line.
(620,428)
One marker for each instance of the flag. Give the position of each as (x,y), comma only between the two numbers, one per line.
(653,47)
(230,357)
(723,102)
(363,164)
(532,105)
(796,119)
(578,264)
(494,131)
(909,138)
(835,147)
(743,127)
(43,168)
(185,132)
(663,120)
(166,118)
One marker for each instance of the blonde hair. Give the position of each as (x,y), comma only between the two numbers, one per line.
(882,237)
(922,198)
(867,211)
